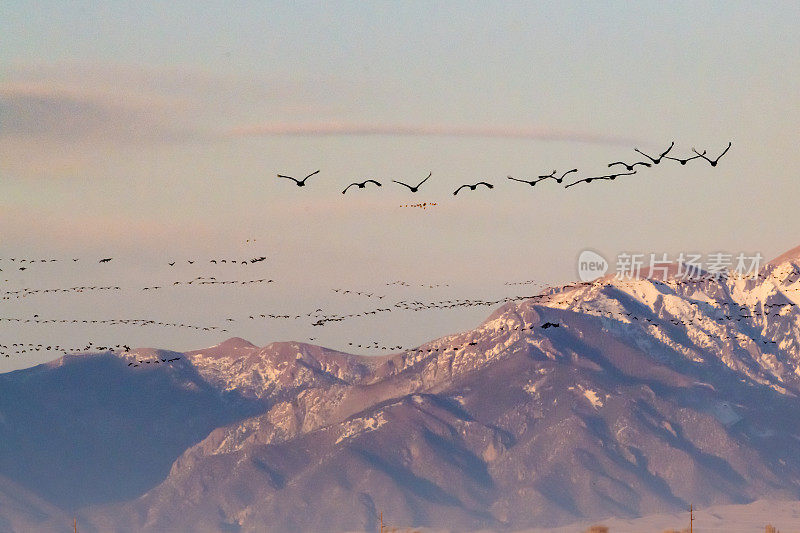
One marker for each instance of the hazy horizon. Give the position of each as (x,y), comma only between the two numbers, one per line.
(154,134)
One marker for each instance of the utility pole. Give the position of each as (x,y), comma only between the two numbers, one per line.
(691,519)
(75,524)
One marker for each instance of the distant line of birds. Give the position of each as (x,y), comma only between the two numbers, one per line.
(25,292)
(791,276)
(402,283)
(359,293)
(376,345)
(593,311)
(630,167)
(141,362)
(210,281)
(29,261)
(743,313)
(227,261)
(423,205)
(109,322)
(328,318)
(526,282)
(323,318)
(21,348)
(449,304)
(8,295)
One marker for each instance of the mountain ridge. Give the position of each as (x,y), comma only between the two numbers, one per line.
(623,397)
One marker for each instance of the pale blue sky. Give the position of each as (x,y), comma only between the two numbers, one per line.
(131,129)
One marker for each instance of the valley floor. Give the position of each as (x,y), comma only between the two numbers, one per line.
(749,518)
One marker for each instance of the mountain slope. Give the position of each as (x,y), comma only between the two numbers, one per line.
(620,398)
(21,510)
(88,429)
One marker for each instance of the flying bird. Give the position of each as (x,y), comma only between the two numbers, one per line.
(531,182)
(473,187)
(415,188)
(684,161)
(106,260)
(300,183)
(658,160)
(364,184)
(559,180)
(552,175)
(714,162)
(630,167)
(608,177)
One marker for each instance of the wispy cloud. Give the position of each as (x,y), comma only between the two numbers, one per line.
(356,129)
(59,126)
(66,113)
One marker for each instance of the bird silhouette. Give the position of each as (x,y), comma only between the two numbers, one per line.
(559,180)
(552,176)
(300,183)
(713,162)
(531,182)
(608,177)
(362,185)
(415,188)
(630,167)
(658,160)
(473,187)
(684,161)
(106,260)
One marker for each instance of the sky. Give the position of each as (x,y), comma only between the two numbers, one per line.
(154,132)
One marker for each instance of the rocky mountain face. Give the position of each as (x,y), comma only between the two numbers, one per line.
(616,397)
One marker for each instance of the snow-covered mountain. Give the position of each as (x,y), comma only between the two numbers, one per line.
(607,398)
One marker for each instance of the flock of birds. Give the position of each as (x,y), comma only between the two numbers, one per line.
(200,280)
(423,205)
(402,283)
(109,322)
(630,169)
(321,318)
(141,362)
(25,292)
(28,262)
(526,282)
(22,348)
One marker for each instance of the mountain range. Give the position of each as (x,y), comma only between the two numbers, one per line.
(608,398)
